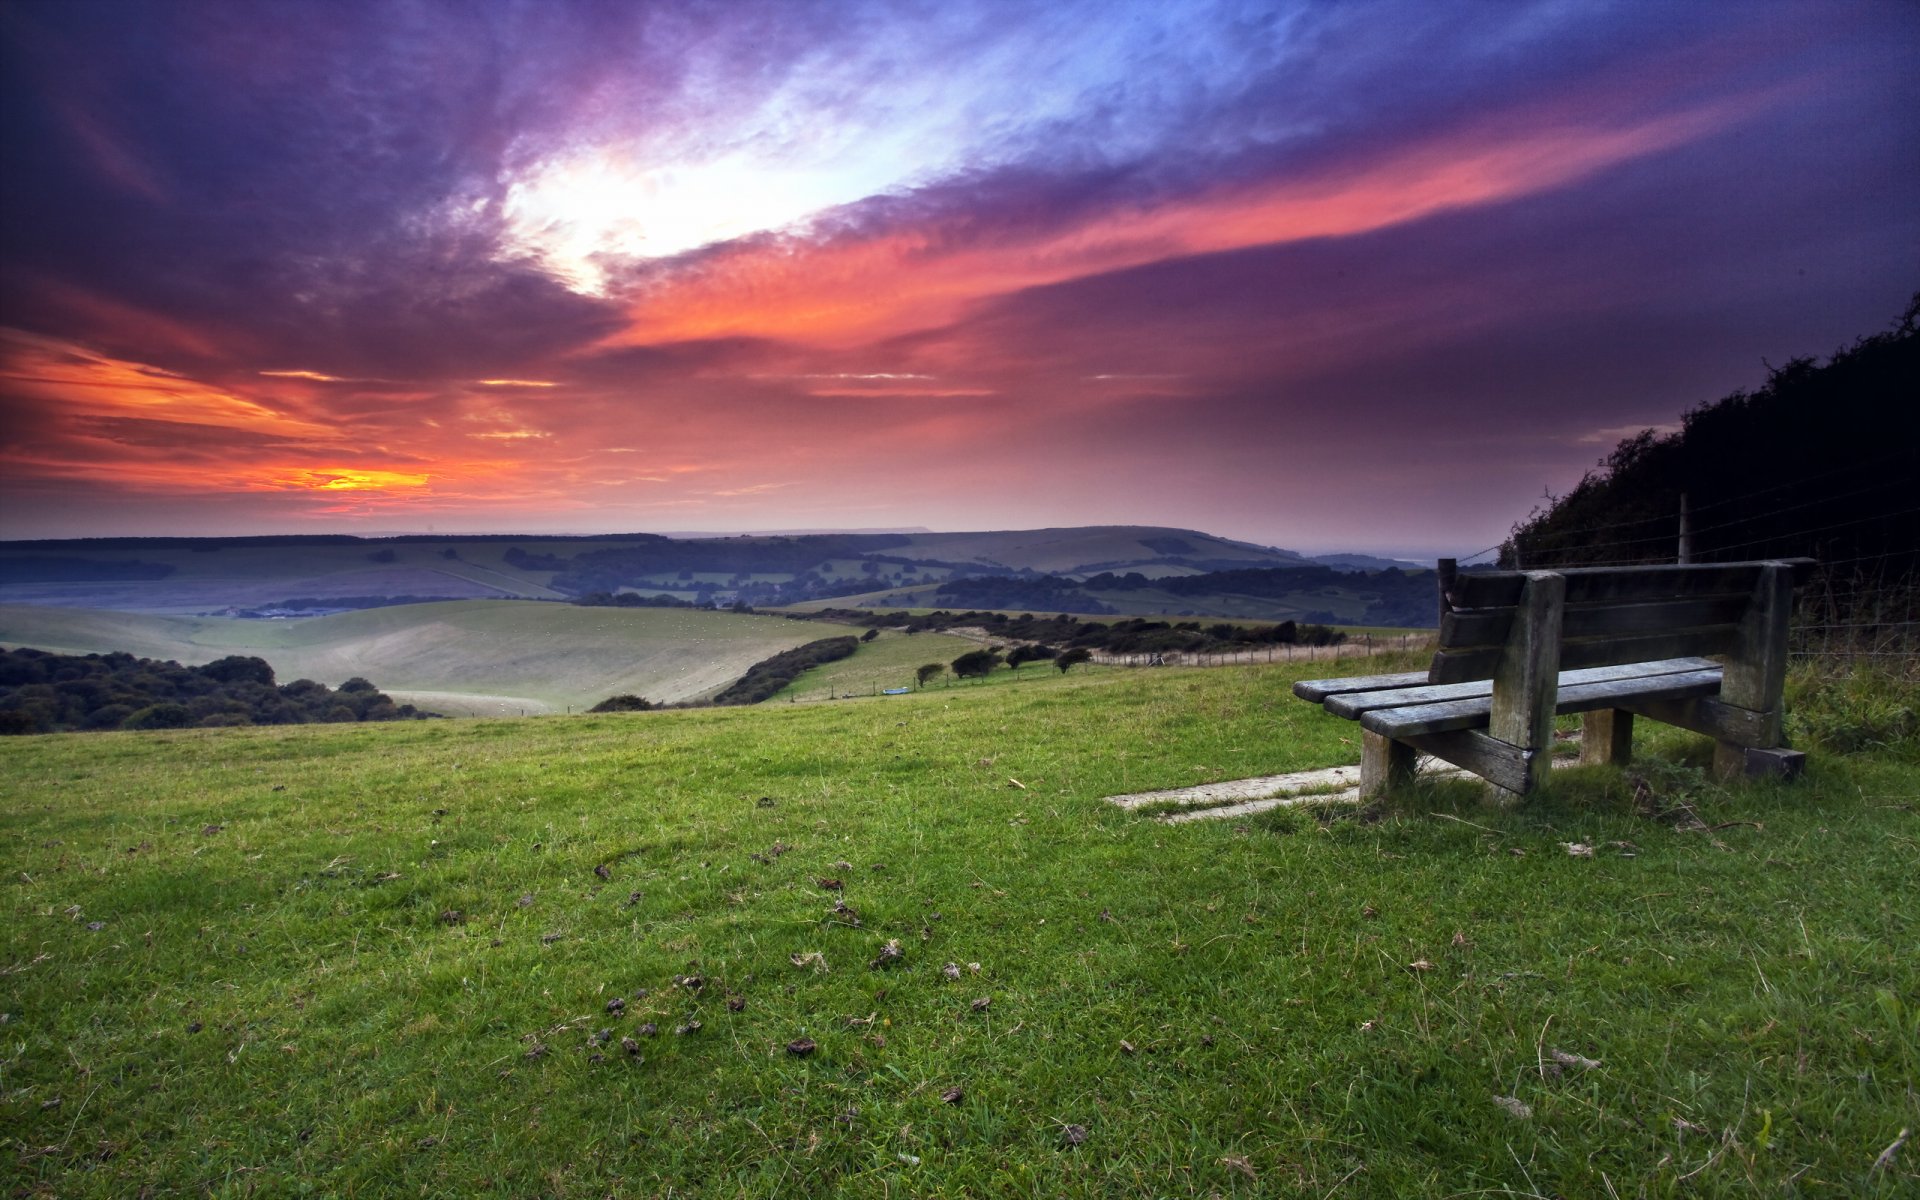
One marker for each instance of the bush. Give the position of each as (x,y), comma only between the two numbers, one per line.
(624,702)
(1029,653)
(975,663)
(1073,658)
(167,715)
(239,668)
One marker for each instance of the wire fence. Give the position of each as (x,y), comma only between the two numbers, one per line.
(1860,524)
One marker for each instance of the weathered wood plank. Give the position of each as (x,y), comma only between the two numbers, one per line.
(1319,689)
(1384,765)
(1606,737)
(1713,717)
(1526,681)
(1457,666)
(1504,766)
(1490,626)
(1476,712)
(1757,669)
(1493,589)
(1353,704)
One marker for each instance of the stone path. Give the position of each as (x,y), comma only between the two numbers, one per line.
(1244,797)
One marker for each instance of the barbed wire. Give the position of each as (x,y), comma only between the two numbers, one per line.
(1904,452)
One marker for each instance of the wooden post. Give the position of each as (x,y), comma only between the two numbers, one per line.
(1606,736)
(1445,570)
(1526,683)
(1686,531)
(1756,674)
(1384,764)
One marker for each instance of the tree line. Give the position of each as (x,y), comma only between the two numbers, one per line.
(1134,635)
(1818,462)
(42,692)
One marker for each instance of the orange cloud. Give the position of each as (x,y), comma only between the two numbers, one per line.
(83,382)
(854,290)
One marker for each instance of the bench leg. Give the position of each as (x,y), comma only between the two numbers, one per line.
(1731,762)
(1384,764)
(1606,736)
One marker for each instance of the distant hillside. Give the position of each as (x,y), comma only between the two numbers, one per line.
(237,576)
(1820,462)
(1299,593)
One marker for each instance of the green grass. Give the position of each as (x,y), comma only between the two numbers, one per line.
(357,961)
(464,657)
(888,661)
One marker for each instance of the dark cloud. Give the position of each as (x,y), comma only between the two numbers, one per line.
(1237,248)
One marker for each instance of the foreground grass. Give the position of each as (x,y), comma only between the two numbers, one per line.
(360,961)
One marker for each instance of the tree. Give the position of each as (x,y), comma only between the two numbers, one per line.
(869,635)
(1030,652)
(1073,658)
(975,663)
(928,672)
(238,668)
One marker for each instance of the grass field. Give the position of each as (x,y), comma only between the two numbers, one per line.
(889,661)
(475,657)
(358,961)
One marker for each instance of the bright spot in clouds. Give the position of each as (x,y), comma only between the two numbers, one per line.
(353,481)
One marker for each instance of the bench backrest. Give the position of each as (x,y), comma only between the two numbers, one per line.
(1609,615)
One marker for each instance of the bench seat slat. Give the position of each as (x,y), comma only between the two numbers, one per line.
(1419,719)
(1319,689)
(1352,704)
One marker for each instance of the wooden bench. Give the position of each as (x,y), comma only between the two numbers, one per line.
(1518,647)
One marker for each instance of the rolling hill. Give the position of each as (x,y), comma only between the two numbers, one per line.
(472,657)
(195,576)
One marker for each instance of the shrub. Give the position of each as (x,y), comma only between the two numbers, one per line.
(975,663)
(1029,653)
(239,668)
(1843,711)
(167,715)
(624,702)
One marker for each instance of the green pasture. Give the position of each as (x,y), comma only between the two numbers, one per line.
(888,661)
(901,947)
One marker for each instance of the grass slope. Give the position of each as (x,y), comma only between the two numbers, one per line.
(888,661)
(359,961)
(465,656)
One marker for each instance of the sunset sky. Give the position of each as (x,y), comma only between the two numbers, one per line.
(1329,276)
